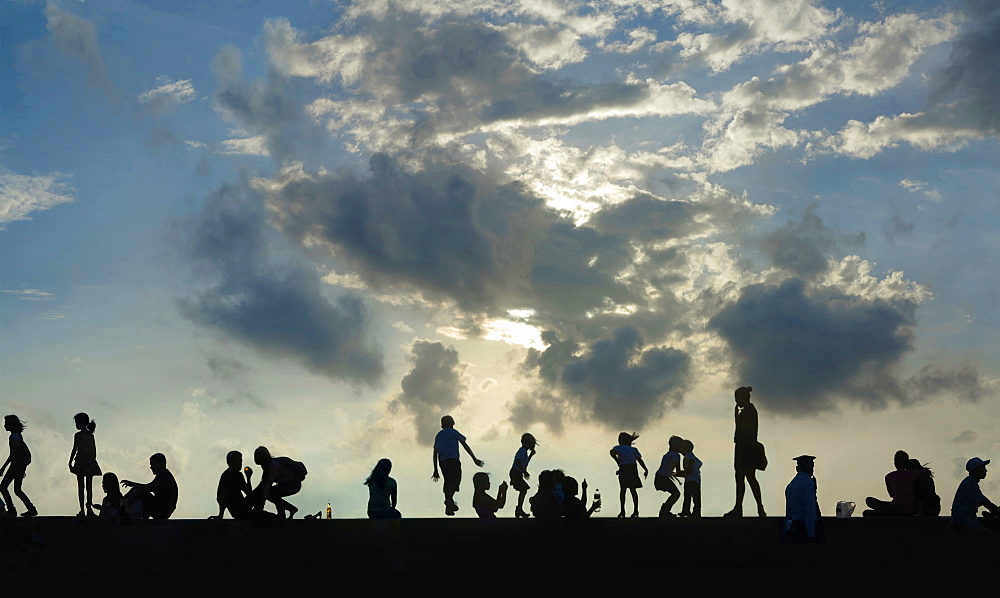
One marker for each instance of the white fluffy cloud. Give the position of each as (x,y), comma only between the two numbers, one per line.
(22,194)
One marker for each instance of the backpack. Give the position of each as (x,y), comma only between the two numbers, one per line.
(296,467)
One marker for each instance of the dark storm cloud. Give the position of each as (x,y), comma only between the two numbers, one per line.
(433,387)
(616,383)
(648,218)
(801,246)
(234,374)
(972,77)
(803,353)
(453,232)
(276,308)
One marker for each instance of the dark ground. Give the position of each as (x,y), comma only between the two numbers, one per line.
(62,544)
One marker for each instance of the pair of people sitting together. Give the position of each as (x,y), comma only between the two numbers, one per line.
(911,487)
(281,477)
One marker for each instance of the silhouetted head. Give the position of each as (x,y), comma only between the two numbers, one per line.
(570,486)
(546,481)
(158,463)
(915,465)
(379,474)
(676,443)
(900,459)
(234,459)
(82,421)
(558,476)
(481,481)
(626,438)
(447,422)
(262,456)
(977,467)
(688,446)
(11,423)
(805,463)
(110,484)
(742,395)
(528,441)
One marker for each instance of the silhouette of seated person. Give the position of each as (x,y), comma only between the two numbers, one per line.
(928,503)
(157,499)
(901,485)
(281,477)
(574,508)
(485,505)
(969,498)
(234,492)
(546,503)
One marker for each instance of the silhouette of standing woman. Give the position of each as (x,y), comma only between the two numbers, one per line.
(83,461)
(749,455)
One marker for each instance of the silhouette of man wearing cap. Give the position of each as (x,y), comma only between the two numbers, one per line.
(969,497)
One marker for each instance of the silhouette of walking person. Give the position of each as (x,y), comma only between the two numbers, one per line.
(446,453)
(628,458)
(802,522)
(382,492)
(83,461)
(18,461)
(281,477)
(749,453)
(519,471)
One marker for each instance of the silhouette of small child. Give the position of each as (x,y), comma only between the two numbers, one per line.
(83,461)
(670,466)
(113,505)
(519,471)
(485,505)
(18,461)
(576,508)
(234,488)
(692,482)
(627,457)
(446,453)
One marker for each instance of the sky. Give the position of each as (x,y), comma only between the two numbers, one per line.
(320,226)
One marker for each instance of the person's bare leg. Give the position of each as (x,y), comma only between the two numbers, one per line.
(79,491)
(740,491)
(635,502)
(90,496)
(621,499)
(755,489)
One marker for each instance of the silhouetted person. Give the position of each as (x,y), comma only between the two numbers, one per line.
(670,466)
(801,506)
(628,459)
(545,504)
(113,506)
(83,461)
(901,486)
(382,492)
(234,491)
(446,453)
(749,454)
(18,461)
(281,477)
(519,471)
(969,498)
(575,508)
(157,499)
(485,505)
(927,499)
(691,473)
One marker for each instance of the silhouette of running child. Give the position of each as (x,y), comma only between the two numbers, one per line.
(446,453)
(519,471)
(627,457)
(382,492)
(83,461)
(670,467)
(485,505)
(233,493)
(18,461)
(281,477)
(158,498)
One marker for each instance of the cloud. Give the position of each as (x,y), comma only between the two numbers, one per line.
(167,93)
(616,383)
(806,352)
(21,195)
(434,386)
(966,436)
(31,294)
(802,247)
(273,306)
(76,38)
(972,76)
(233,373)
(945,380)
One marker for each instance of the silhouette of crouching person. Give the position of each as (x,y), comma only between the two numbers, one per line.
(157,499)
(281,477)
